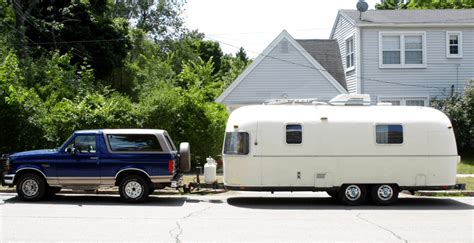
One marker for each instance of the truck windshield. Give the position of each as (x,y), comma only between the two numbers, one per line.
(236,143)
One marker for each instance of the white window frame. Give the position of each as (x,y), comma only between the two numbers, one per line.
(448,54)
(402,48)
(403,99)
(350,38)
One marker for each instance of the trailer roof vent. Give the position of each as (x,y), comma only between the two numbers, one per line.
(351,99)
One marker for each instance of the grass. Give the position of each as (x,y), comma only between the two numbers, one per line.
(467,165)
(469,181)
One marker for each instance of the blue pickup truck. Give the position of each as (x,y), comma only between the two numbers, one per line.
(138,161)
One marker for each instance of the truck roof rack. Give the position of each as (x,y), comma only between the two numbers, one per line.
(351,99)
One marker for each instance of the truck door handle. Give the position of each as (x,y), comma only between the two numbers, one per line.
(94,158)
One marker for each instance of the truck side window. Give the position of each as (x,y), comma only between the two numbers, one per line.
(236,143)
(389,134)
(134,143)
(84,144)
(294,134)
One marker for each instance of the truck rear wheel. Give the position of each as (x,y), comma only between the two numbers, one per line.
(134,189)
(31,187)
(384,194)
(352,194)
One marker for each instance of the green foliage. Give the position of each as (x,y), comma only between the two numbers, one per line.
(460,109)
(57,75)
(425,4)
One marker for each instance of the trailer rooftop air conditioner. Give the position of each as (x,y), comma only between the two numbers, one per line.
(350,99)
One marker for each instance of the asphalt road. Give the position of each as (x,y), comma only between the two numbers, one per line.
(235,217)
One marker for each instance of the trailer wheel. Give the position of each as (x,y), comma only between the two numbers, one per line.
(384,194)
(134,189)
(352,194)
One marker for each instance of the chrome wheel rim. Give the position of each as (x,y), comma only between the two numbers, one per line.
(30,187)
(353,192)
(133,189)
(385,192)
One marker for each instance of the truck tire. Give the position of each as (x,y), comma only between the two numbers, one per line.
(384,194)
(134,189)
(353,194)
(31,187)
(184,157)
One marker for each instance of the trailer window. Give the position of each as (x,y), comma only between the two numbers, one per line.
(294,134)
(389,134)
(236,143)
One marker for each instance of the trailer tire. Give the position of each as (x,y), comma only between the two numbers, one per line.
(385,194)
(184,157)
(31,187)
(134,189)
(352,194)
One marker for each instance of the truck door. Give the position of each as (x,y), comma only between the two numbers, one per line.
(80,162)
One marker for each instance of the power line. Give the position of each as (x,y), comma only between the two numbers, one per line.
(443,89)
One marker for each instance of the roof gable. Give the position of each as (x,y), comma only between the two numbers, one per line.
(265,54)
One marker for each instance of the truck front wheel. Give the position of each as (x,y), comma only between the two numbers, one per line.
(134,189)
(31,187)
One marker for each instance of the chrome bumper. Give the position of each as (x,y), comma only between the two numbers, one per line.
(8,179)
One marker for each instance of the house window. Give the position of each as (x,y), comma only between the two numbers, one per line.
(402,50)
(350,53)
(453,44)
(389,134)
(294,134)
(405,101)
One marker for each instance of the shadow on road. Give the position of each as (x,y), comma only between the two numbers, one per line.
(298,203)
(102,200)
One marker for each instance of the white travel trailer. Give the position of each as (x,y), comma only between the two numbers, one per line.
(346,147)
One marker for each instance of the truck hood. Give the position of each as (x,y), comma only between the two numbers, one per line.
(34,153)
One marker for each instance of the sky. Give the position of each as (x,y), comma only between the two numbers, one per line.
(253,24)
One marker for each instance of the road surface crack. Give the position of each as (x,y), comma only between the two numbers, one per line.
(177,231)
(381,227)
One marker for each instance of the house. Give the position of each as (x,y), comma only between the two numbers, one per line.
(289,68)
(406,57)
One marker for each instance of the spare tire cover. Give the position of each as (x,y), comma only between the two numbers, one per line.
(184,157)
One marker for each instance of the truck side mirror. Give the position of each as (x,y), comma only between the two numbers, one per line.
(71,151)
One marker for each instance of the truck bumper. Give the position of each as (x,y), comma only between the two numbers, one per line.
(8,179)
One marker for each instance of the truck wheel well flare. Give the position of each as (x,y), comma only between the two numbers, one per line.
(124,174)
(28,171)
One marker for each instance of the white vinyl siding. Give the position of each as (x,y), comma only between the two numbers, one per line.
(453,44)
(402,49)
(439,79)
(350,53)
(344,30)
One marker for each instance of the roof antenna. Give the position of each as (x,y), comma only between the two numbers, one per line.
(362,6)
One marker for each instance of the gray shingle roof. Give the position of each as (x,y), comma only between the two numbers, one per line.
(326,52)
(426,16)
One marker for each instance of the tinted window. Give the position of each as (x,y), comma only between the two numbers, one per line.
(236,143)
(134,142)
(389,134)
(294,134)
(84,144)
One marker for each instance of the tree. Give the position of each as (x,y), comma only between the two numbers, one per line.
(242,55)
(460,109)
(159,18)
(424,4)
